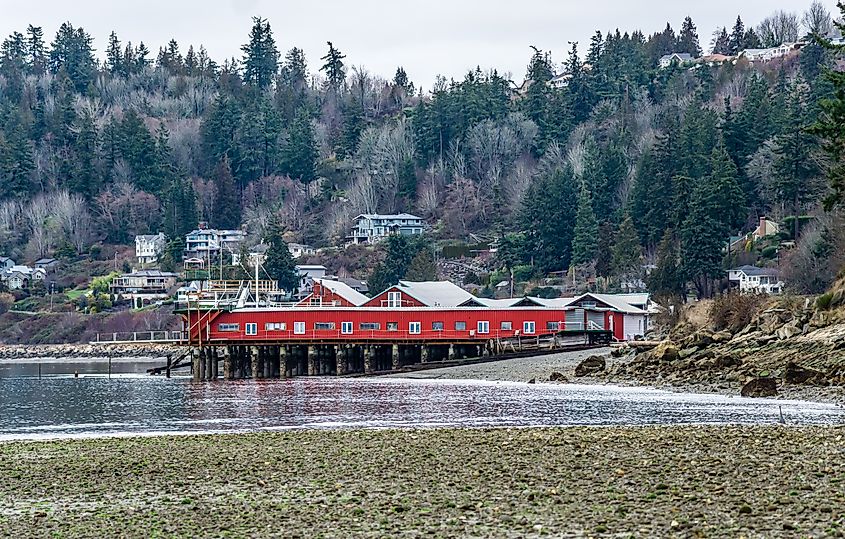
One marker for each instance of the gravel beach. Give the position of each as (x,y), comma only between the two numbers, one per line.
(540,368)
(573,482)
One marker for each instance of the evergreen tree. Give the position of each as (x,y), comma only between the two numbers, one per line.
(72,53)
(547,214)
(36,50)
(585,237)
(226,210)
(334,69)
(830,127)
(688,39)
(17,162)
(299,156)
(667,278)
(114,56)
(721,42)
(627,253)
(736,42)
(279,263)
(261,57)
(400,252)
(795,167)
(422,267)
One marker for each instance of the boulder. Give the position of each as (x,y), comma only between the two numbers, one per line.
(796,374)
(557,377)
(591,365)
(760,387)
(665,352)
(788,331)
(722,336)
(727,360)
(700,339)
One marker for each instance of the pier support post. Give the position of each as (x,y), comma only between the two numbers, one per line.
(341,352)
(284,371)
(268,362)
(312,360)
(424,353)
(451,354)
(368,359)
(227,363)
(395,350)
(215,364)
(202,363)
(195,365)
(253,356)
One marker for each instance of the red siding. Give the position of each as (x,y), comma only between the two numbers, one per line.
(328,297)
(381,299)
(426,317)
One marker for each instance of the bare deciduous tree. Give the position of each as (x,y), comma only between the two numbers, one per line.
(817,20)
(779,28)
(40,224)
(73,219)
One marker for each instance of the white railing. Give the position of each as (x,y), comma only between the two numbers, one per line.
(162,336)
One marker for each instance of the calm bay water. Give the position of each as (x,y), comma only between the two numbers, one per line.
(135,404)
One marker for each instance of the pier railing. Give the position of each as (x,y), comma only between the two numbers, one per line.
(152,337)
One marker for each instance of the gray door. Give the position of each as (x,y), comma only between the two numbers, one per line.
(596,318)
(575,319)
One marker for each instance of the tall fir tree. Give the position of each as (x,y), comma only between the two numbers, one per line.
(261,57)
(226,209)
(279,263)
(585,236)
(299,156)
(688,39)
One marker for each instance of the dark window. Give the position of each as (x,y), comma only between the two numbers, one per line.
(369,326)
(507,326)
(437,326)
(393,326)
(552,326)
(324,325)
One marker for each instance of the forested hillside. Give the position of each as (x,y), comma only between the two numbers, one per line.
(603,161)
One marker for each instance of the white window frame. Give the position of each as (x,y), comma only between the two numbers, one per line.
(394,299)
(506,326)
(462,323)
(483,327)
(251,328)
(414,328)
(529,327)
(299,328)
(346,328)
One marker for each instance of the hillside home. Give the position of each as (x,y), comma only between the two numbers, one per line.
(298,250)
(207,243)
(47,264)
(754,280)
(22,277)
(679,58)
(6,263)
(371,228)
(143,286)
(308,273)
(149,247)
(772,53)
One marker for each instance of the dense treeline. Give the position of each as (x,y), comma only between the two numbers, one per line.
(600,163)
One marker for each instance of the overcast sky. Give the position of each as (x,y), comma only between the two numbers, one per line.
(427,37)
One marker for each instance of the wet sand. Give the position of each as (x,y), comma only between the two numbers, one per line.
(572,482)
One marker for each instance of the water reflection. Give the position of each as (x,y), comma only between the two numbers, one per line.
(96,405)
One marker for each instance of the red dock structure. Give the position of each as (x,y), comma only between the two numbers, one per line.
(335,330)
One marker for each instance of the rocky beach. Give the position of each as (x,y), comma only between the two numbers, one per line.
(57,352)
(571,482)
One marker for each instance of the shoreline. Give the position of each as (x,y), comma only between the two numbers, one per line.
(562,482)
(540,369)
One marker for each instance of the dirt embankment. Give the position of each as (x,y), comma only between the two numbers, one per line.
(790,344)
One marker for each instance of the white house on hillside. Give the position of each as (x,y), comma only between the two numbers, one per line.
(207,243)
(680,58)
(373,227)
(149,247)
(298,250)
(754,280)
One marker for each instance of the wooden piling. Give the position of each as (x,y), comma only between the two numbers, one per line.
(424,353)
(215,363)
(227,363)
(395,357)
(253,366)
(312,360)
(195,366)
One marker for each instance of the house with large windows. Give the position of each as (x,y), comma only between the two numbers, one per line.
(372,227)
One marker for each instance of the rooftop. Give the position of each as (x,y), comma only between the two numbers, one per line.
(393,216)
(436,293)
(343,290)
